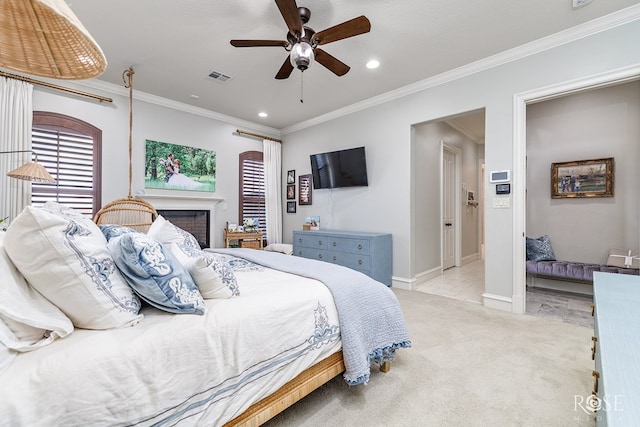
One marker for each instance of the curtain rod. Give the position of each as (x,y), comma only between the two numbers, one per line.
(54,86)
(255,135)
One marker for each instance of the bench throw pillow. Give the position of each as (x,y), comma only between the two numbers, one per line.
(155,274)
(64,256)
(540,249)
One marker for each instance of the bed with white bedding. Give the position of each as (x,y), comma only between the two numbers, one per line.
(211,361)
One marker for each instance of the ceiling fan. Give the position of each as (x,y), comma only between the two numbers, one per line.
(303,41)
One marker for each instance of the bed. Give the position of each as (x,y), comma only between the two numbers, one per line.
(263,342)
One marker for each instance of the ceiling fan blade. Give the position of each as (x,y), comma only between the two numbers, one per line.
(258,43)
(334,65)
(289,11)
(285,70)
(354,27)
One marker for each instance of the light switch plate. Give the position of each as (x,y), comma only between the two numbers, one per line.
(578,3)
(501,202)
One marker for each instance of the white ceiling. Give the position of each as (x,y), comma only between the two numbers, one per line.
(173,45)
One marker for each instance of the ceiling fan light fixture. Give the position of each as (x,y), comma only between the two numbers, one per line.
(302,55)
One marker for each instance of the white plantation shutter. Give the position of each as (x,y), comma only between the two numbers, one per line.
(71,155)
(252,189)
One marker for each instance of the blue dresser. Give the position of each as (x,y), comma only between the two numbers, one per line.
(369,253)
(616,349)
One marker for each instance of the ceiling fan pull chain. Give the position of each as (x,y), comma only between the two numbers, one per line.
(302,88)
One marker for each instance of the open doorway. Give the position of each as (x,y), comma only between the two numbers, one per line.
(448,246)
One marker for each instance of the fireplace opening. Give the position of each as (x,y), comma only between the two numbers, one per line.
(194,221)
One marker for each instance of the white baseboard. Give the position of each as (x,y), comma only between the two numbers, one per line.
(497,302)
(402,283)
(470,258)
(412,284)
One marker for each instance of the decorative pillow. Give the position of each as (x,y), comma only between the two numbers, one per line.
(167,233)
(624,258)
(155,274)
(114,230)
(214,279)
(540,249)
(284,248)
(64,256)
(27,320)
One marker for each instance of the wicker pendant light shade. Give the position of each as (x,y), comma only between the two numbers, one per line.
(45,38)
(32,171)
(128,211)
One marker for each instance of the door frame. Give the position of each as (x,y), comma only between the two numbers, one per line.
(457,211)
(520,101)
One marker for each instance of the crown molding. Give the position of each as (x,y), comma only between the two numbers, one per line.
(578,32)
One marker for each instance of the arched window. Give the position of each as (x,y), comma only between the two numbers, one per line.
(71,150)
(252,190)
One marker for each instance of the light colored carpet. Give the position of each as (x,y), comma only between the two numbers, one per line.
(469,366)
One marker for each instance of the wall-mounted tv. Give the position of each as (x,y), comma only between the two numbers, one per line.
(343,168)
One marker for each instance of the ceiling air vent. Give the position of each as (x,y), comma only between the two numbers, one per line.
(219,77)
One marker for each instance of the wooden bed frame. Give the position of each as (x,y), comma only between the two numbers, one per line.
(299,387)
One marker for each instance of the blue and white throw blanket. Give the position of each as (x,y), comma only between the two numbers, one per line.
(371,323)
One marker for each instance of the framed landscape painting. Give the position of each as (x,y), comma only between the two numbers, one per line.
(178,167)
(582,178)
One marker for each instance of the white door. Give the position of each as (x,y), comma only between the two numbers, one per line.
(448,209)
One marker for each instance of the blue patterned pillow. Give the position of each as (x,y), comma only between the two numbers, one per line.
(540,249)
(155,274)
(115,230)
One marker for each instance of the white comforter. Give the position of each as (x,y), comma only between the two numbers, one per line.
(177,369)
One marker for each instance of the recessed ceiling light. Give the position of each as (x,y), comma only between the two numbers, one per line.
(374,63)
(263,114)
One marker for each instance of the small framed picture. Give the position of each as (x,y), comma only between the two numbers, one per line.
(291,207)
(304,189)
(291,192)
(291,177)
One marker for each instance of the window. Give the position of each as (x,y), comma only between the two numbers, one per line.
(252,192)
(70,149)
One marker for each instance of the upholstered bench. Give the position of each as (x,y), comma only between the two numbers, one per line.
(569,270)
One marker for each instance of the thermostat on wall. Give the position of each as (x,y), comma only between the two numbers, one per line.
(499,176)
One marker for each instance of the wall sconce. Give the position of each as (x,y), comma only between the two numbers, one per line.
(31,171)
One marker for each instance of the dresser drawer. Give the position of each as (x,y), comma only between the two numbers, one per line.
(355,261)
(311,241)
(352,246)
(312,253)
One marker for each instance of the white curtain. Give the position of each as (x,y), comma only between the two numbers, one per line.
(272,159)
(16,118)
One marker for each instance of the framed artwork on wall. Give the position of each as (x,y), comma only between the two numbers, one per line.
(291,192)
(582,178)
(291,177)
(304,190)
(178,167)
(291,207)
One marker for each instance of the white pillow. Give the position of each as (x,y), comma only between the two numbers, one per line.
(64,256)
(27,320)
(206,272)
(285,248)
(167,233)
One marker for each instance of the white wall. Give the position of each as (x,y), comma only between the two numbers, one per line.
(385,129)
(159,123)
(590,125)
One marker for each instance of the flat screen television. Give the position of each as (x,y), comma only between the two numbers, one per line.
(343,168)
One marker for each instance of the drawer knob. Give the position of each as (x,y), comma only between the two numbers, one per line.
(334,258)
(333,244)
(320,242)
(593,349)
(360,246)
(300,240)
(320,256)
(359,262)
(300,253)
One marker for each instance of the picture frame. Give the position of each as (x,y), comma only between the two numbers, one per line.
(291,191)
(170,166)
(291,207)
(291,177)
(582,178)
(304,190)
